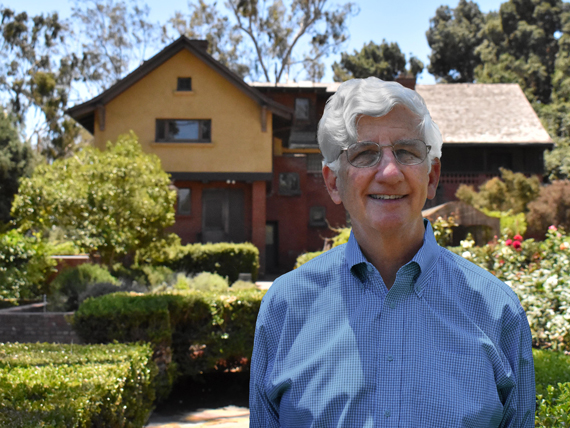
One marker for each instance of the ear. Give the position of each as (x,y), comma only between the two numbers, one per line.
(433,178)
(331,183)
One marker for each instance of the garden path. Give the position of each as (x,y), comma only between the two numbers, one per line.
(224,417)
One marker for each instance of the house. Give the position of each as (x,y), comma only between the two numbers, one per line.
(245,160)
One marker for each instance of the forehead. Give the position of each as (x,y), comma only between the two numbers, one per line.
(399,123)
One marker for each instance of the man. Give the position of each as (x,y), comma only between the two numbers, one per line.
(389,330)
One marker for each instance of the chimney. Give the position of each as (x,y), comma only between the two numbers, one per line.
(200,44)
(407,81)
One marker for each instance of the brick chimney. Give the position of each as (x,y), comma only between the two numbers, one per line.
(407,81)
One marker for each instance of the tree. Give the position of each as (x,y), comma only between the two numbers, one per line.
(275,30)
(512,192)
(115,36)
(17,160)
(552,207)
(453,36)
(385,61)
(108,202)
(225,41)
(35,75)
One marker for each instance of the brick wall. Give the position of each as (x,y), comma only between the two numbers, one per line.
(31,327)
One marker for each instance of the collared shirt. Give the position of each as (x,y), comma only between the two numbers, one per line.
(447,346)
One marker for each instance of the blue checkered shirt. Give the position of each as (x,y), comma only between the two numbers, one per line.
(447,346)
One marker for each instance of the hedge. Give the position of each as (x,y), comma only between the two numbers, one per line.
(201,331)
(54,385)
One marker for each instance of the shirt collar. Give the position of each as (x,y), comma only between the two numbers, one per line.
(425,258)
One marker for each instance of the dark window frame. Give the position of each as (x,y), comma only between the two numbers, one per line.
(179,201)
(307,109)
(163,131)
(184,84)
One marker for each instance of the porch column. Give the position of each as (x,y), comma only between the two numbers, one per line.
(258,221)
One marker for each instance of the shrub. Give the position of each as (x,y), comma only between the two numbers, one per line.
(209,282)
(70,283)
(102,288)
(552,207)
(55,385)
(243,285)
(203,331)
(25,263)
(225,259)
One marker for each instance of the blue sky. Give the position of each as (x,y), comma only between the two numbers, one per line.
(404,22)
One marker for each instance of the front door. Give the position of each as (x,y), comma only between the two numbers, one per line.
(223,215)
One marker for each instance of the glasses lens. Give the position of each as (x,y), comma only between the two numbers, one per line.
(410,152)
(362,155)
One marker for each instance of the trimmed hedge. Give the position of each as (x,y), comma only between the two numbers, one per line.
(202,331)
(552,375)
(54,385)
(223,258)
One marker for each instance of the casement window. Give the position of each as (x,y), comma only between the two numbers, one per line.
(184,84)
(183,130)
(302,108)
(184,201)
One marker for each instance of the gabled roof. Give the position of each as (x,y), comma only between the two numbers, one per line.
(84,113)
(494,113)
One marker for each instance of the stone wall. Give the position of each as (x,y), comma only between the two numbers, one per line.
(34,327)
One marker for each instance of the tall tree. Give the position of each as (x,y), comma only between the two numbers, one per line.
(35,76)
(115,36)
(17,160)
(385,61)
(453,36)
(225,40)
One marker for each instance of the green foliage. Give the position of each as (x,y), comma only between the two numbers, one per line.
(203,331)
(53,385)
(552,207)
(17,160)
(453,36)
(25,264)
(107,202)
(72,282)
(510,193)
(513,224)
(209,282)
(341,237)
(225,259)
(385,61)
(443,230)
(552,374)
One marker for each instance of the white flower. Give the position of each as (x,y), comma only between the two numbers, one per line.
(466,254)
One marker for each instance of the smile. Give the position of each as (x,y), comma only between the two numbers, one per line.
(386,196)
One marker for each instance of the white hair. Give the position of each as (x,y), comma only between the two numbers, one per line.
(369,97)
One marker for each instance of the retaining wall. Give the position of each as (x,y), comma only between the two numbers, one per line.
(52,327)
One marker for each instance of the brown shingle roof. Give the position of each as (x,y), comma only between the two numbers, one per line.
(483,113)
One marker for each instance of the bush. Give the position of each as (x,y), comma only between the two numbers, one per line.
(225,259)
(52,385)
(101,288)
(202,331)
(25,264)
(552,207)
(70,283)
(552,374)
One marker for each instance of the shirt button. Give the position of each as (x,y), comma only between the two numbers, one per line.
(370,268)
(387,413)
(389,357)
(392,305)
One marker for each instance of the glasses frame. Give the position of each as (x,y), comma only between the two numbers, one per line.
(381,153)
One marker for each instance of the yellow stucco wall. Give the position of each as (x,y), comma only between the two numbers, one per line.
(238,143)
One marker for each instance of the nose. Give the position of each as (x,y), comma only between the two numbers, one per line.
(388,169)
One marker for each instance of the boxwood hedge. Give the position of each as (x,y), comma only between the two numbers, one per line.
(54,385)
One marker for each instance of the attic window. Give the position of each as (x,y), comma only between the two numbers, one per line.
(302,108)
(184,84)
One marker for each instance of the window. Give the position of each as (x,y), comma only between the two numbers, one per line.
(184,201)
(302,108)
(181,130)
(184,84)
(317,216)
(289,184)
(314,163)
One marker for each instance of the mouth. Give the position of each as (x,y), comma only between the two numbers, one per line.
(386,197)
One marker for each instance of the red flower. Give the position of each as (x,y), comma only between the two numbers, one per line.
(517,245)
(508,242)
(518,238)
(552,227)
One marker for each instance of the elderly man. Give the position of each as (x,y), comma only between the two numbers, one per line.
(388,330)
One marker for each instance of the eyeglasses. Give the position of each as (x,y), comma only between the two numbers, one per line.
(367,154)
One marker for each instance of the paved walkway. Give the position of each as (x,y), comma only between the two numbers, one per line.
(225,417)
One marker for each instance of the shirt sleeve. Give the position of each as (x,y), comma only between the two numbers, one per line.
(262,412)
(520,399)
